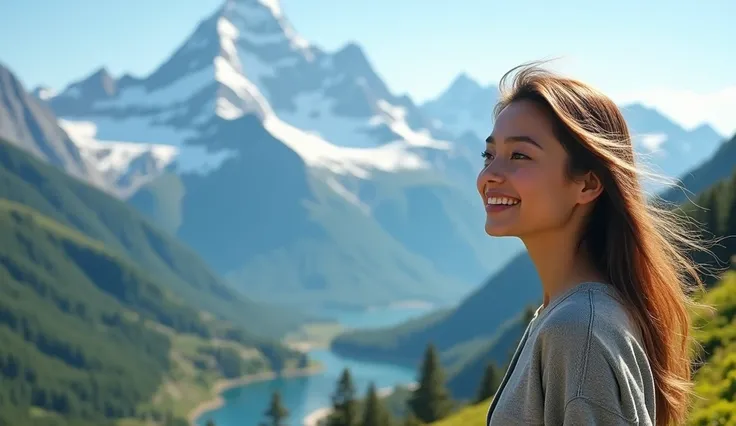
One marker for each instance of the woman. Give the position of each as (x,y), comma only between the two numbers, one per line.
(610,343)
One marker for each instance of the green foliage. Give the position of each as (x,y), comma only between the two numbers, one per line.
(715,381)
(374,412)
(344,402)
(276,413)
(120,228)
(470,415)
(86,336)
(431,400)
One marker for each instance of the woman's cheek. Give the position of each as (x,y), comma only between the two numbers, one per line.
(526,180)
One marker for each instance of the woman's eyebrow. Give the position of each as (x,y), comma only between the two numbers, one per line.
(513,139)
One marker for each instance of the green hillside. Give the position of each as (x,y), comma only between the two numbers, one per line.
(89,338)
(716,380)
(119,227)
(470,415)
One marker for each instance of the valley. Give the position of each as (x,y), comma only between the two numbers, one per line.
(257,215)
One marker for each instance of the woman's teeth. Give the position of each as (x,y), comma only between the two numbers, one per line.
(502,201)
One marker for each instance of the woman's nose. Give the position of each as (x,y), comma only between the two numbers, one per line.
(493,172)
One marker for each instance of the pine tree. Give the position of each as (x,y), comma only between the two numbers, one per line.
(374,412)
(431,400)
(344,403)
(489,383)
(276,412)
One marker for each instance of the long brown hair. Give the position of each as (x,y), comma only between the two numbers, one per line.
(642,248)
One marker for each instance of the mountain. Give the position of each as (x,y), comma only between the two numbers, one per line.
(663,145)
(465,106)
(101,217)
(32,126)
(718,167)
(493,314)
(88,338)
(297,174)
(125,166)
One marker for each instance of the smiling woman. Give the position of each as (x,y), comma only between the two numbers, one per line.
(609,345)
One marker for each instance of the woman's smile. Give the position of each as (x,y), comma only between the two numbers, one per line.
(501,203)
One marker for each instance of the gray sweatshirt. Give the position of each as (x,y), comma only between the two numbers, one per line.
(581,361)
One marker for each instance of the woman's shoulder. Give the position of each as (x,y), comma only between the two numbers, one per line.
(592,311)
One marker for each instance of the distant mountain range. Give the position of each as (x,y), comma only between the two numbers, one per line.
(466,108)
(295,172)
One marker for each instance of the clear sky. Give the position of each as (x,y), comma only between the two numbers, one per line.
(675,55)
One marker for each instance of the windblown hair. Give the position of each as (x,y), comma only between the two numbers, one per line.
(641,248)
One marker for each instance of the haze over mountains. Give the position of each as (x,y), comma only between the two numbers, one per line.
(297,174)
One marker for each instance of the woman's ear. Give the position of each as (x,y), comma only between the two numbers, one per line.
(590,189)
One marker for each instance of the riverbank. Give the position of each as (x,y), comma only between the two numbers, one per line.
(224,385)
(321,414)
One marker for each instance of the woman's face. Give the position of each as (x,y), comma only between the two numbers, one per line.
(523,184)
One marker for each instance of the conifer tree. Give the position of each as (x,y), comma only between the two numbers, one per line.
(344,403)
(374,412)
(489,383)
(276,413)
(431,400)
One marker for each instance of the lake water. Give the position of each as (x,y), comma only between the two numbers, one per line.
(244,406)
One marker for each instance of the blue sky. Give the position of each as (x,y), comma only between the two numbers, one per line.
(672,55)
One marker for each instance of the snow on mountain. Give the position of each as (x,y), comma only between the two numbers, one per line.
(247,59)
(126,166)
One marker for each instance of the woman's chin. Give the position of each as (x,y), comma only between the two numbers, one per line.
(499,230)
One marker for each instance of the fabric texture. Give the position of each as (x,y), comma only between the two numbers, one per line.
(581,361)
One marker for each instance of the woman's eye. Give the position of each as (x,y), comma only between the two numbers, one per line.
(519,156)
(486,155)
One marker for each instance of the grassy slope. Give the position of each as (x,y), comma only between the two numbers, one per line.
(101,217)
(716,380)
(88,338)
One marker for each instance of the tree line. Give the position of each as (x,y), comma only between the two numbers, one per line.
(430,401)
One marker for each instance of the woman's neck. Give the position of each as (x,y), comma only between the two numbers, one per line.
(560,262)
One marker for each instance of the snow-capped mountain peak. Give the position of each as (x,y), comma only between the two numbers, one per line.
(246,59)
